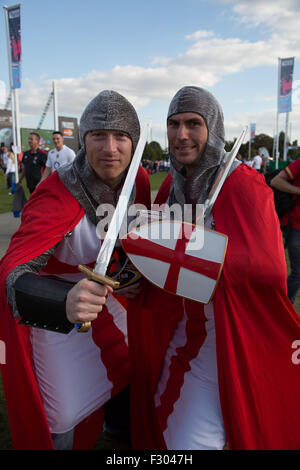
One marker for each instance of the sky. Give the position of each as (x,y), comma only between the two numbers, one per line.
(147,50)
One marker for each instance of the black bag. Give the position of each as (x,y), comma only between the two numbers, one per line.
(283,201)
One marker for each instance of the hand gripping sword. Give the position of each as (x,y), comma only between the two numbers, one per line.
(98,274)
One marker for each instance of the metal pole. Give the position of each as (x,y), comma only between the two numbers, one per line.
(249,149)
(55,107)
(286,136)
(14,98)
(277,118)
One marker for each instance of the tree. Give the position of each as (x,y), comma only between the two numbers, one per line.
(153,151)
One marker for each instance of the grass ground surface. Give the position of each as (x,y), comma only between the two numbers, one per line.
(6,199)
(102,443)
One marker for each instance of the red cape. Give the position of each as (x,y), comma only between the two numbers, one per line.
(255,327)
(50,213)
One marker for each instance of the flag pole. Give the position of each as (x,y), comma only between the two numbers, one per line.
(277,117)
(286,136)
(14,100)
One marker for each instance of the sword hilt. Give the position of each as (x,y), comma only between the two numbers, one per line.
(93,276)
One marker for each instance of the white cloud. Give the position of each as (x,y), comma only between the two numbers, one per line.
(265,123)
(206,61)
(199,35)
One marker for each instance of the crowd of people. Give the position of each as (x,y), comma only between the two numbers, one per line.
(35,164)
(153,167)
(170,372)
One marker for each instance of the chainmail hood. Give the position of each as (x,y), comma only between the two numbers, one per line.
(196,188)
(110,111)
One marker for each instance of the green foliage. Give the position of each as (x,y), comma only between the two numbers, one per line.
(263,140)
(153,151)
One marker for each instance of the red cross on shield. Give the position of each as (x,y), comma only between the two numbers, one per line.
(182,258)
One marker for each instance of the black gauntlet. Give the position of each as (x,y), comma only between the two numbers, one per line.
(41,302)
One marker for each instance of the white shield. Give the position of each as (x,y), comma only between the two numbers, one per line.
(179,257)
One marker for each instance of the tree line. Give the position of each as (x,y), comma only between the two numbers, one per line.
(154,152)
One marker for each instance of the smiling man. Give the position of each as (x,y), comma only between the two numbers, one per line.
(68,376)
(204,374)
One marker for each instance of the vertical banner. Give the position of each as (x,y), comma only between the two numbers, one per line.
(285,85)
(14,31)
(68,126)
(252,132)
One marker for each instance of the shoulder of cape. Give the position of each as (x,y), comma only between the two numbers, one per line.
(142,185)
(49,214)
(241,180)
(244,179)
(50,196)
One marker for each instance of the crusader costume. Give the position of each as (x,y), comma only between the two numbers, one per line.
(55,383)
(207,374)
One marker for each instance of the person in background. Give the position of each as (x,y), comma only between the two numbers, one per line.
(257,163)
(288,180)
(33,162)
(59,156)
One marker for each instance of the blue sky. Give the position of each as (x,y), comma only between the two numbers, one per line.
(147,50)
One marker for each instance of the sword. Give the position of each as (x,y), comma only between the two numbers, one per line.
(222,174)
(98,274)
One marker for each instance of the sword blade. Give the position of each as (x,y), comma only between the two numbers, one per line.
(111,237)
(208,205)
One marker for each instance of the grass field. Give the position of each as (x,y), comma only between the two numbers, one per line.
(6,199)
(5,441)
(157,179)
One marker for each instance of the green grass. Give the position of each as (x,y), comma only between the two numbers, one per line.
(5,199)
(157,179)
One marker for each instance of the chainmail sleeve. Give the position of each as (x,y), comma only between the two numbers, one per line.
(33,266)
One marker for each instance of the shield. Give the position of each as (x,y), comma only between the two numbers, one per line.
(181,258)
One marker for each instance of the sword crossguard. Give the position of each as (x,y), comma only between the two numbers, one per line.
(93,276)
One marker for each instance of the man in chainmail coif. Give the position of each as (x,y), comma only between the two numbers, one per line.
(204,374)
(62,377)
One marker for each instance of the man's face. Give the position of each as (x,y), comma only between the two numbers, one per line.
(109,154)
(33,141)
(187,134)
(58,141)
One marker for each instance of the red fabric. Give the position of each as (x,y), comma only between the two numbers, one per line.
(255,327)
(50,213)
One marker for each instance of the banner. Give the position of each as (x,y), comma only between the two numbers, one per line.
(46,142)
(14,31)
(252,132)
(68,126)
(286,85)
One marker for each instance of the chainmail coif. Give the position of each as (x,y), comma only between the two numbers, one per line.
(195,189)
(107,111)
